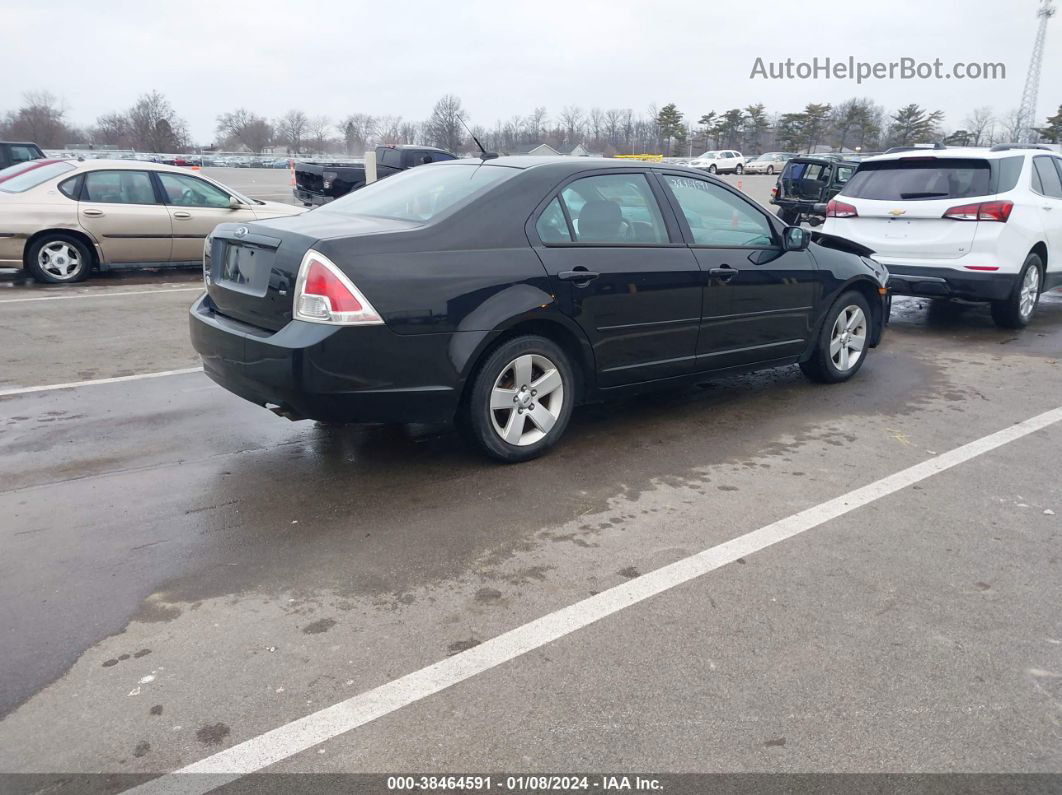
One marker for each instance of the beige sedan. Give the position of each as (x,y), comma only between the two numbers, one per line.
(59,219)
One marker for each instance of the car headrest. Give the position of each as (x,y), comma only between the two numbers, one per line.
(600,220)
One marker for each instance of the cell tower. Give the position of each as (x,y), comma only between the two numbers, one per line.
(1029,97)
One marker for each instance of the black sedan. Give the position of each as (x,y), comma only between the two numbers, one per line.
(503,292)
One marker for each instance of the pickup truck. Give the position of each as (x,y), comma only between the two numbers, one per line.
(320,183)
(12,153)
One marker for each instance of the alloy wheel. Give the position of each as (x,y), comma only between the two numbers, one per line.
(526,399)
(59,259)
(849,338)
(1030,289)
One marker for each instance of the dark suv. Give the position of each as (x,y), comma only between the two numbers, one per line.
(15,152)
(807,184)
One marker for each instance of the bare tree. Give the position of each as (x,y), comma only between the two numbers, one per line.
(980,124)
(112,129)
(444,128)
(244,127)
(291,130)
(154,125)
(318,129)
(1011,126)
(572,119)
(40,119)
(358,129)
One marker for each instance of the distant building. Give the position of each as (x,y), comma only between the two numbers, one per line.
(537,150)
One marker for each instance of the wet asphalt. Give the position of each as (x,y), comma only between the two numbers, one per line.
(182,570)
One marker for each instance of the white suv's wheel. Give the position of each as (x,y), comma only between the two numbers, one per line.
(1018,309)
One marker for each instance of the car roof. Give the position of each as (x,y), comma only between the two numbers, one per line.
(963,152)
(124,165)
(567,163)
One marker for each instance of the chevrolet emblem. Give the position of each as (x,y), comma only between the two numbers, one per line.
(897,213)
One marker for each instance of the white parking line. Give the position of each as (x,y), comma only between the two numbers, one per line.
(25,390)
(101,294)
(280,743)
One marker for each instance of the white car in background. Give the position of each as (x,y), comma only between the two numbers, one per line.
(977,224)
(769,163)
(723,161)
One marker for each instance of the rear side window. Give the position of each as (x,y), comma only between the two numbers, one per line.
(921,180)
(392,158)
(551,226)
(1009,173)
(614,209)
(20,154)
(119,187)
(1049,178)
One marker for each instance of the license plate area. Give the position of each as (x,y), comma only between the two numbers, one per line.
(897,230)
(244,268)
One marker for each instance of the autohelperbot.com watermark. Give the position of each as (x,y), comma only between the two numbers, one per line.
(851,68)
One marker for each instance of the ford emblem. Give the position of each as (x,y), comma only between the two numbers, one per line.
(241,232)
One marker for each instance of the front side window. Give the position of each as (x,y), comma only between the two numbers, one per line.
(1049,178)
(118,187)
(185,191)
(421,194)
(614,209)
(718,217)
(20,154)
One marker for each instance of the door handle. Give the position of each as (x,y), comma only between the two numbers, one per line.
(93,212)
(182,214)
(1048,207)
(725,273)
(578,275)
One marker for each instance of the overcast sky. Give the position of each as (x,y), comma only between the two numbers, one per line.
(503,59)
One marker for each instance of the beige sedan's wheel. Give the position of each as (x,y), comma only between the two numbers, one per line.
(58,258)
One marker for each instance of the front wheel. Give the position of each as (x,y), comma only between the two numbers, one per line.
(58,258)
(1017,310)
(740,169)
(520,400)
(770,170)
(712,169)
(843,341)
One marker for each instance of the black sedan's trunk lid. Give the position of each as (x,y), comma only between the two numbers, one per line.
(251,269)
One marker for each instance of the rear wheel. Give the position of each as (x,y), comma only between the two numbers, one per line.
(789,217)
(843,341)
(1017,310)
(520,400)
(58,258)
(770,170)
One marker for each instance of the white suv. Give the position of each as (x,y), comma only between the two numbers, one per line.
(721,162)
(978,224)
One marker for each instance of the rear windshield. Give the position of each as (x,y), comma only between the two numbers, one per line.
(23,176)
(421,193)
(921,180)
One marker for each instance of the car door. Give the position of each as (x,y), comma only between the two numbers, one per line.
(758,300)
(1047,182)
(196,207)
(120,209)
(620,269)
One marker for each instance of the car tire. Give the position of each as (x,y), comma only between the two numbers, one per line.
(712,169)
(740,169)
(1018,309)
(770,170)
(536,419)
(789,217)
(58,258)
(844,341)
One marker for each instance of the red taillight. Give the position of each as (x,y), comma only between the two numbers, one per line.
(323,294)
(836,209)
(984,211)
(774,192)
(982,267)
(322,282)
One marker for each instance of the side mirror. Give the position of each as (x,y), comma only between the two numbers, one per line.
(235,204)
(796,238)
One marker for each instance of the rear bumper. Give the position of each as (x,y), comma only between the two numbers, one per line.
(308,197)
(329,373)
(949,283)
